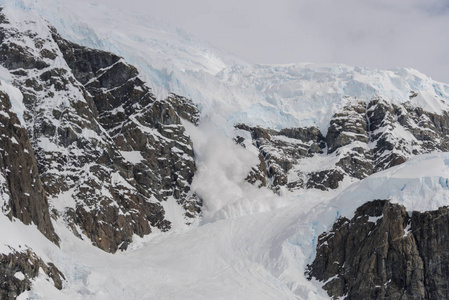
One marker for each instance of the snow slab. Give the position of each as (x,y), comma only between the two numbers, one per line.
(133,157)
(15,96)
(420,184)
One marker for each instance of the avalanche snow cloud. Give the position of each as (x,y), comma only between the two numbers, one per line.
(250,243)
(220,179)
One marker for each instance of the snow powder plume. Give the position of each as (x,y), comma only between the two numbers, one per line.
(220,178)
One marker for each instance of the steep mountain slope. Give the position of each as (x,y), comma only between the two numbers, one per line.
(22,197)
(382,252)
(226,88)
(394,249)
(363,138)
(235,186)
(107,151)
(22,193)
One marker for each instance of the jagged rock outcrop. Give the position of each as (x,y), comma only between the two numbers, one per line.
(323,180)
(22,195)
(258,174)
(18,268)
(385,253)
(103,143)
(280,152)
(349,132)
(185,108)
(384,135)
(362,138)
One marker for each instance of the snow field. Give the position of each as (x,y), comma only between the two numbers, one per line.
(250,244)
(248,255)
(226,88)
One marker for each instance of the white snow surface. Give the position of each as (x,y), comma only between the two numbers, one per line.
(421,184)
(250,244)
(15,96)
(133,157)
(226,88)
(255,256)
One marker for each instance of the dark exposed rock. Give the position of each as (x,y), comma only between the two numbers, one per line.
(27,264)
(347,126)
(126,108)
(280,152)
(258,174)
(364,137)
(390,150)
(357,163)
(21,188)
(124,104)
(185,108)
(383,253)
(304,134)
(3,19)
(413,94)
(101,138)
(324,180)
(256,132)
(239,140)
(431,232)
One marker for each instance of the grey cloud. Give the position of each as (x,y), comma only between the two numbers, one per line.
(376,34)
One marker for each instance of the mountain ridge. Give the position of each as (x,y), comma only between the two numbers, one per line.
(182,197)
(238,92)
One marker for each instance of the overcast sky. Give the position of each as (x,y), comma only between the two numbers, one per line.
(377,33)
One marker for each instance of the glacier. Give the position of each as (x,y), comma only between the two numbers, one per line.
(251,243)
(260,255)
(226,88)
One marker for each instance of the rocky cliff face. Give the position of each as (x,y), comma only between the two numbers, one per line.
(108,153)
(22,195)
(363,138)
(97,151)
(19,267)
(385,253)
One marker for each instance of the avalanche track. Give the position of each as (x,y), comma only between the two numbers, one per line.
(256,256)
(250,243)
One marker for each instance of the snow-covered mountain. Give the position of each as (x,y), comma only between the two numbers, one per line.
(225,87)
(208,177)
